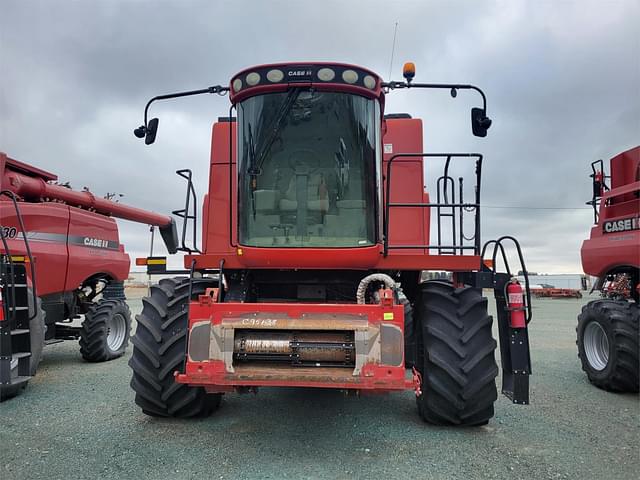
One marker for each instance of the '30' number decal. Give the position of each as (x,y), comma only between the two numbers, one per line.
(9,232)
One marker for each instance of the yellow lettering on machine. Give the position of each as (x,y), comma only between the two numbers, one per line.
(388,316)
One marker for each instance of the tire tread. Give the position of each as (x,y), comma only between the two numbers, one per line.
(158,351)
(93,333)
(622,318)
(459,367)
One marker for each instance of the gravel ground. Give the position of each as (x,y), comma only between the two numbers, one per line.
(79,420)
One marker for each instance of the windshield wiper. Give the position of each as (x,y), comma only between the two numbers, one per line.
(285,108)
(252,161)
(252,150)
(256,160)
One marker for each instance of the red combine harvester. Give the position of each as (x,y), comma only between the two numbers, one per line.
(608,328)
(316,230)
(60,257)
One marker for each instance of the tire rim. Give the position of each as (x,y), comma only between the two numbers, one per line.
(116,331)
(596,346)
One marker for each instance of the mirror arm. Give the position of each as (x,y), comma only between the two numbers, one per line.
(449,86)
(220,90)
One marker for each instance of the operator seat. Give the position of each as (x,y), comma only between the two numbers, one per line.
(317,194)
(305,173)
(349,218)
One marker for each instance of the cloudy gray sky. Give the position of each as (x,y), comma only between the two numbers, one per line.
(562,80)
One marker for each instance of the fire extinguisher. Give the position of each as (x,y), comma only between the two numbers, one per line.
(1,307)
(515,304)
(598,183)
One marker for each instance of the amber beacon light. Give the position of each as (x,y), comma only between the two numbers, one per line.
(409,71)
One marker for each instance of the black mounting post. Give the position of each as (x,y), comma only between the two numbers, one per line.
(514,342)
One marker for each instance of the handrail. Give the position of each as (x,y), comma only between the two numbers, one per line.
(185,215)
(388,204)
(14,200)
(497,245)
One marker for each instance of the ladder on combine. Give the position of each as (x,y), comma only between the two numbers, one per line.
(15,338)
(15,314)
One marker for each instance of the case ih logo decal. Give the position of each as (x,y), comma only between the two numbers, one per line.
(12,232)
(624,225)
(301,74)
(95,242)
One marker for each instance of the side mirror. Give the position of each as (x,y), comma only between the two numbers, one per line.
(480,123)
(152,129)
(148,132)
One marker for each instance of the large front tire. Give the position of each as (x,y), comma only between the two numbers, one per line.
(608,341)
(456,356)
(159,347)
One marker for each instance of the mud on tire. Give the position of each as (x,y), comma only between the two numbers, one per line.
(105,331)
(456,355)
(159,350)
(607,339)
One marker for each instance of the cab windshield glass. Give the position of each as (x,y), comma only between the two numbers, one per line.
(307,169)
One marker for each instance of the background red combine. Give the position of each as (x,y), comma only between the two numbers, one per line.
(608,333)
(316,229)
(60,258)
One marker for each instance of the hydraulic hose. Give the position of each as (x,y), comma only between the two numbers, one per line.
(374,277)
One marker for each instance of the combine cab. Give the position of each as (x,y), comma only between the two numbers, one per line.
(608,335)
(60,257)
(316,230)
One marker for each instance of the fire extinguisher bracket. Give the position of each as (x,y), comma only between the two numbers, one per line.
(514,338)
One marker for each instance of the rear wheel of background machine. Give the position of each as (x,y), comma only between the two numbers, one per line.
(608,344)
(36,331)
(159,350)
(105,331)
(456,355)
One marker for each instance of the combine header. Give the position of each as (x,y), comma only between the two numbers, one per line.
(608,328)
(60,257)
(316,230)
